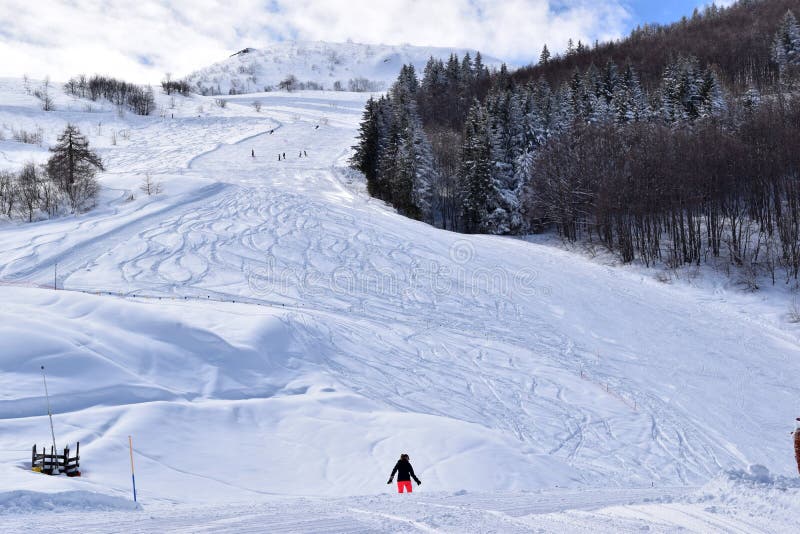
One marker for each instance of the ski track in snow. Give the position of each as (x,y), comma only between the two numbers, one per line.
(595,377)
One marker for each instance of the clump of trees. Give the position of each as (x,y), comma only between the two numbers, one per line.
(678,169)
(136,98)
(359,85)
(66,181)
(726,187)
(395,154)
(170,86)
(291,83)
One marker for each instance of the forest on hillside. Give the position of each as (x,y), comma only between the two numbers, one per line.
(676,145)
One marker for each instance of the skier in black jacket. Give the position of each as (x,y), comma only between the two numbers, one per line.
(404,474)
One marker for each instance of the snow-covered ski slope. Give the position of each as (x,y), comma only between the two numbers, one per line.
(319,62)
(282,338)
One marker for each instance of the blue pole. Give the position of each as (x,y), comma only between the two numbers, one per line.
(133,476)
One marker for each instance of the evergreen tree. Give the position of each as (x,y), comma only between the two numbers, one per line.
(365,156)
(481,71)
(610,81)
(475,171)
(786,44)
(505,139)
(629,103)
(72,167)
(539,120)
(544,57)
(409,160)
(502,80)
(712,98)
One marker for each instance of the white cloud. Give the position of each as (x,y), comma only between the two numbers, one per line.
(141,40)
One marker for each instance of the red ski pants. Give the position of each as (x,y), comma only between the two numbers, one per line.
(403,484)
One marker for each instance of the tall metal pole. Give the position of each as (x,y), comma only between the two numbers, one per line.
(133,476)
(49,413)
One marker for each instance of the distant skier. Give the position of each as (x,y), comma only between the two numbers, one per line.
(253,152)
(305,154)
(279,157)
(284,155)
(404,474)
(797,443)
(271,132)
(316,127)
(300,155)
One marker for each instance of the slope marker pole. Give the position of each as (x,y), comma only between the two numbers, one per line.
(133,476)
(49,413)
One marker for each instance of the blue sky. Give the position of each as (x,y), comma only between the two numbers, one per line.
(664,11)
(142,40)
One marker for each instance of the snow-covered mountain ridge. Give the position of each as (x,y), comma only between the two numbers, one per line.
(372,67)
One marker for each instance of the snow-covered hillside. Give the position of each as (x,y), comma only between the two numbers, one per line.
(253,70)
(273,339)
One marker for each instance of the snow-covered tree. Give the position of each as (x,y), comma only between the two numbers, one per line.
(629,102)
(475,172)
(786,44)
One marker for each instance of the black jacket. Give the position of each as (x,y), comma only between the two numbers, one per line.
(404,471)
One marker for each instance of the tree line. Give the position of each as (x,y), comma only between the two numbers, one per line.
(737,40)
(677,171)
(66,181)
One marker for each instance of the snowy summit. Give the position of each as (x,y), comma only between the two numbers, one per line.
(317,65)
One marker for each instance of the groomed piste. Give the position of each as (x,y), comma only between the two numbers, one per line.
(273,339)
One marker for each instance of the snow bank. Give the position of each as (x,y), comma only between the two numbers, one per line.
(756,480)
(752,493)
(27,502)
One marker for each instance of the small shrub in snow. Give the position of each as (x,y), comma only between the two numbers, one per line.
(149,186)
(43,94)
(24,136)
(794,311)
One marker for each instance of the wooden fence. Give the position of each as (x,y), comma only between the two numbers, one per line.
(52,463)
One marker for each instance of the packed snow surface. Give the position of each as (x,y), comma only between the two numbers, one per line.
(272,339)
(251,70)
